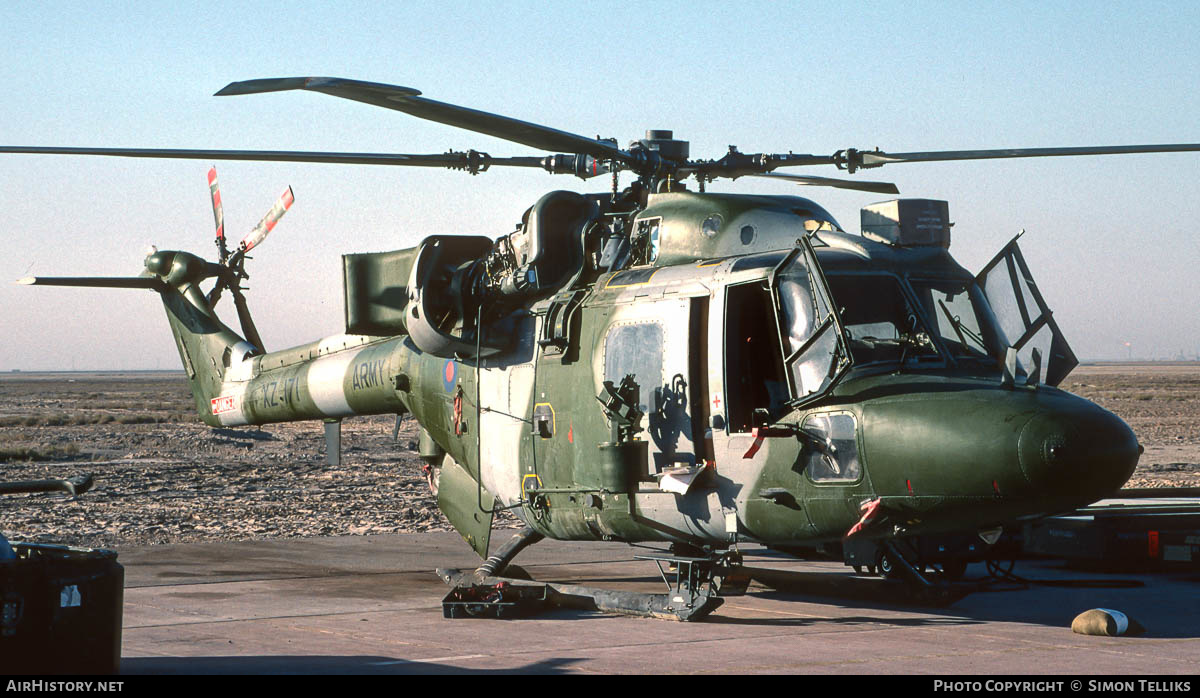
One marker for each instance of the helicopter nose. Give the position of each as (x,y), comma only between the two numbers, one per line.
(1089,453)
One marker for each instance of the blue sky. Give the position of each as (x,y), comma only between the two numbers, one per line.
(1111,239)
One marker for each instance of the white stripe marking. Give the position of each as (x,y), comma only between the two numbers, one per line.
(235,416)
(325,383)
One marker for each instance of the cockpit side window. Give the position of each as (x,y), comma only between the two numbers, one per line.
(831,449)
(754,377)
(815,353)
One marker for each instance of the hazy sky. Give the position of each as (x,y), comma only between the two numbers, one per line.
(1112,240)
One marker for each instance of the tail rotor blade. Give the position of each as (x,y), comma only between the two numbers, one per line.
(218,215)
(218,212)
(267,224)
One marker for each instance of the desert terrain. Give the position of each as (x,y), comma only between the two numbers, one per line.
(162,476)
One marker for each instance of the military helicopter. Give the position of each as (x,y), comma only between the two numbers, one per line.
(657,364)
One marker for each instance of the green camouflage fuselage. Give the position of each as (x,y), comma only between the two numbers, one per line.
(944,446)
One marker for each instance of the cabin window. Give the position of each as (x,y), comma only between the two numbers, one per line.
(754,377)
(635,349)
(831,449)
(645,240)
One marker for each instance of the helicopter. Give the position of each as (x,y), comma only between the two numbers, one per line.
(661,363)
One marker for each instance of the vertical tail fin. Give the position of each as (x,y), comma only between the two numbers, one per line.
(207,347)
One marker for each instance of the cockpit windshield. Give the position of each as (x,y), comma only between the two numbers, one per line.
(962,318)
(830,322)
(880,321)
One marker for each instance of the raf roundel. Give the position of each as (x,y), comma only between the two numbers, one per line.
(448,375)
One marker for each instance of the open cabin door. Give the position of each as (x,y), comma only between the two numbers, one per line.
(1043,354)
(815,353)
(783,343)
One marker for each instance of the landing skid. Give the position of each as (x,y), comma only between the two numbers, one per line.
(695,588)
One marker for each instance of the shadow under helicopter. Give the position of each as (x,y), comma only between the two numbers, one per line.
(1052,595)
(327,665)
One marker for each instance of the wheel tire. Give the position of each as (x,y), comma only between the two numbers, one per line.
(887,566)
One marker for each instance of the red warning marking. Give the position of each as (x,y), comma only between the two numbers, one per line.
(1152,544)
(870,510)
(223,404)
(758,442)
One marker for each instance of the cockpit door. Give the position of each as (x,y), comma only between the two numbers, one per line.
(1025,318)
(814,342)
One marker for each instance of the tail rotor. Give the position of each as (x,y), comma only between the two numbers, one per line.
(234,263)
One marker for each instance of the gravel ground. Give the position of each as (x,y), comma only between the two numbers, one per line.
(164,477)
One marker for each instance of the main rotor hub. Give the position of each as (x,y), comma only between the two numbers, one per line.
(664,143)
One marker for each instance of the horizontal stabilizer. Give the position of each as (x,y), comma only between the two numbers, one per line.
(150,282)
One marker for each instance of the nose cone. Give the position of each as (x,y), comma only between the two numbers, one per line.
(1087,451)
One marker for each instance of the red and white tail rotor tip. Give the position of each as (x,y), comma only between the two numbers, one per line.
(267,224)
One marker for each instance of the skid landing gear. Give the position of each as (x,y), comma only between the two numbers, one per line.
(695,588)
(935,592)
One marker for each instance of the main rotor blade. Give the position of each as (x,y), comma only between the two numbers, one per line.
(95,281)
(874,158)
(877,187)
(267,224)
(452,160)
(406,99)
